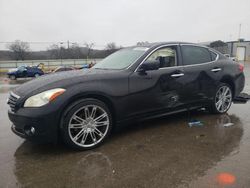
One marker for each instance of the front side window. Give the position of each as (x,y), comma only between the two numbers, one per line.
(195,55)
(167,57)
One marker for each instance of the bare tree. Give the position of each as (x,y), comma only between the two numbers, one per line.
(220,46)
(20,49)
(111,46)
(54,51)
(89,46)
(217,43)
(60,52)
(75,51)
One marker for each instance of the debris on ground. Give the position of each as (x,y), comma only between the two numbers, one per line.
(242,98)
(195,123)
(244,95)
(200,136)
(228,124)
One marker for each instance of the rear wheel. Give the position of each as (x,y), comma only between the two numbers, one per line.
(12,77)
(37,75)
(222,99)
(87,124)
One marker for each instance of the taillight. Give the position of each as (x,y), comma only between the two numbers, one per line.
(241,67)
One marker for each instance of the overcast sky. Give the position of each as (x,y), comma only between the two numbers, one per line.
(124,22)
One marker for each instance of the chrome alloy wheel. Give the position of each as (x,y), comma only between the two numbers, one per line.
(88,125)
(223,99)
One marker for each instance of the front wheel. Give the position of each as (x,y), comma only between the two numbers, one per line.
(222,99)
(87,123)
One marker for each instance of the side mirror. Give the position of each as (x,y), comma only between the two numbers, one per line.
(149,65)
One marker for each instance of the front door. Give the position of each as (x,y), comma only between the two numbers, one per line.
(21,72)
(159,90)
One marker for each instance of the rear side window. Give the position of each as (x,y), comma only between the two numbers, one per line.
(195,55)
(213,55)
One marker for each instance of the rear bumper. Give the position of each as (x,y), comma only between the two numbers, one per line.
(239,84)
(34,125)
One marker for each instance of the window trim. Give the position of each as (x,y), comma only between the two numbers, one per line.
(212,51)
(176,56)
(167,45)
(209,49)
(162,46)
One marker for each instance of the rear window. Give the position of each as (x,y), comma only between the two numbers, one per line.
(195,55)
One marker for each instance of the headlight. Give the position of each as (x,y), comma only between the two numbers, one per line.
(43,98)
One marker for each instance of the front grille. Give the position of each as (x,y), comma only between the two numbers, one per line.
(12,100)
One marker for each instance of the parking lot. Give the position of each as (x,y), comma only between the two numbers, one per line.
(163,152)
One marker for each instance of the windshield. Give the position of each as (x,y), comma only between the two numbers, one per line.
(121,59)
(22,68)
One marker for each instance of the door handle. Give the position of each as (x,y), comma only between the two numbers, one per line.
(177,75)
(216,69)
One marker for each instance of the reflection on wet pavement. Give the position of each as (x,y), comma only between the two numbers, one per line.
(164,152)
(167,153)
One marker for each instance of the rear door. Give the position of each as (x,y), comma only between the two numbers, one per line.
(31,71)
(200,72)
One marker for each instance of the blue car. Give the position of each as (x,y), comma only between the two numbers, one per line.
(24,72)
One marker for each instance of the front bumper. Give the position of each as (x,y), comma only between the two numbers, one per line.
(35,124)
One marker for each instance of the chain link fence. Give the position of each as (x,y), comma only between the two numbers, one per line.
(48,64)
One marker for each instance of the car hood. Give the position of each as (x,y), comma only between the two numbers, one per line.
(12,70)
(61,80)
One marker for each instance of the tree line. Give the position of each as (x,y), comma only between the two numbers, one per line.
(20,50)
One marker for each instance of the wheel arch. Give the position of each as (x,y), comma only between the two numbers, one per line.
(228,80)
(98,96)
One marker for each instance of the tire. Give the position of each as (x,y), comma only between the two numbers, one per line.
(222,99)
(86,124)
(37,75)
(12,77)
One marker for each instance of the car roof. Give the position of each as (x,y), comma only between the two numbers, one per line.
(156,44)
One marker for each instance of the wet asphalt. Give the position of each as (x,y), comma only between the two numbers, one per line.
(163,152)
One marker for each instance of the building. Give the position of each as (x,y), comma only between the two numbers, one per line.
(239,49)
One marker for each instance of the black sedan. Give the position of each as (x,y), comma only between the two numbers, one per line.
(132,84)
